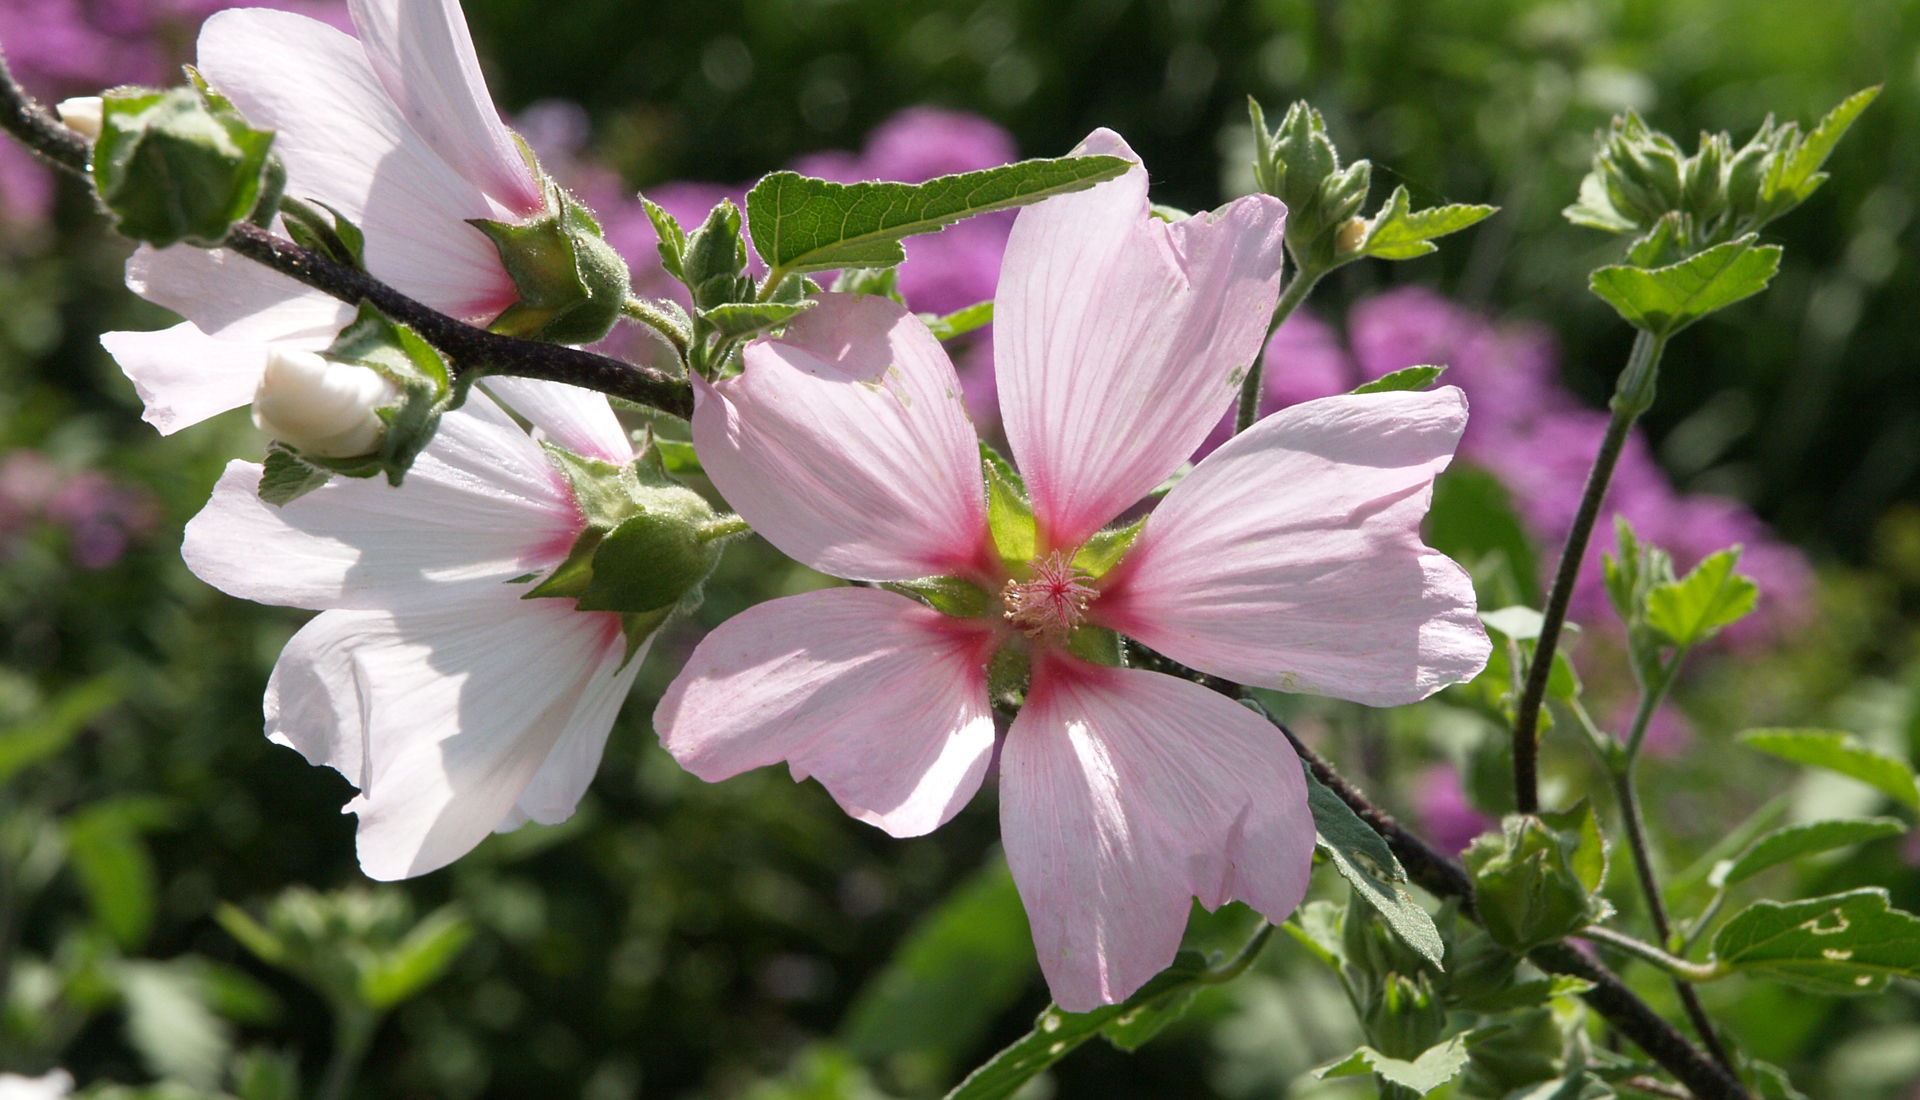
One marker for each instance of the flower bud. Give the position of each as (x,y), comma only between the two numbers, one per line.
(1534,881)
(572,284)
(82,115)
(178,165)
(326,409)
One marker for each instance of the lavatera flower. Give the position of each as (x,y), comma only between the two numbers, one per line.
(452,675)
(1289,558)
(394,131)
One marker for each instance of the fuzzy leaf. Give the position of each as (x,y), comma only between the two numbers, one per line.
(285,476)
(1665,300)
(747,318)
(1697,606)
(1435,1067)
(1409,378)
(801,224)
(1800,173)
(1395,233)
(1794,841)
(1364,860)
(1843,753)
(1844,944)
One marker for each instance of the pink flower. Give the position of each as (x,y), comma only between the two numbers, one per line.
(1290,558)
(396,132)
(454,705)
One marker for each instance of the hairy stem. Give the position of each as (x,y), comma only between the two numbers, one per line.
(1636,387)
(1290,299)
(1678,967)
(36,127)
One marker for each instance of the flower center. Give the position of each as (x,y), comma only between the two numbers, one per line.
(1053,603)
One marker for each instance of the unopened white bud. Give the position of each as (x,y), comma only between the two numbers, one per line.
(324,408)
(82,114)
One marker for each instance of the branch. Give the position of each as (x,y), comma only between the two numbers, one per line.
(473,352)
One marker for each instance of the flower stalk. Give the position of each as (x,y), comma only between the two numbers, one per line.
(1296,292)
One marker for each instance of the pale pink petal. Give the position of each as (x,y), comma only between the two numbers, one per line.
(347,144)
(845,442)
(576,419)
(425,59)
(1119,339)
(1126,794)
(443,718)
(185,376)
(1291,558)
(556,789)
(880,699)
(232,298)
(481,506)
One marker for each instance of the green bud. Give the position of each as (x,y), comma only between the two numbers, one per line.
(177,165)
(1748,169)
(1534,881)
(572,283)
(714,263)
(1527,1048)
(1705,182)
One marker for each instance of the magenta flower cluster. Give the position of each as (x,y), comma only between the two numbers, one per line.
(99,515)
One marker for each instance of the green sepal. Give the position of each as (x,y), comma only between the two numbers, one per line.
(1104,550)
(947,595)
(714,261)
(1009,515)
(1531,878)
(571,282)
(1407,378)
(960,321)
(1096,645)
(285,476)
(177,165)
(672,239)
(331,234)
(1009,672)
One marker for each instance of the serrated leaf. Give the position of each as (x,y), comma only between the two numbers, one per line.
(47,733)
(1395,233)
(1362,857)
(285,476)
(1435,1067)
(960,321)
(1844,944)
(736,319)
(672,239)
(1794,841)
(1665,300)
(1798,173)
(963,964)
(1699,605)
(1595,210)
(801,224)
(1409,378)
(1843,753)
(1055,1033)
(416,961)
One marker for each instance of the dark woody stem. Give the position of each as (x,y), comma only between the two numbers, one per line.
(472,352)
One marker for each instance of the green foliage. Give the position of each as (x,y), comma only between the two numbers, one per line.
(1365,861)
(1664,300)
(42,735)
(1845,944)
(960,321)
(1394,233)
(331,234)
(947,595)
(1794,841)
(105,847)
(1434,1067)
(1409,378)
(177,165)
(1009,516)
(1105,549)
(1535,881)
(1708,599)
(801,224)
(359,949)
(1840,752)
(734,320)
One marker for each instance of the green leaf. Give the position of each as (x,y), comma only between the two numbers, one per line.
(678,456)
(1362,857)
(1799,174)
(1665,300)
(1794,841)
(1409,378)
(1056,1033)
(1522,624)
(1396,234)
(104,843)
(1009,516)
(332,234)
(1843,753)
(47,733)
(169,1023)
(801,224)
(966,962)
(285,476)
(960,321)
(1844,944)
(736,319)
(416,961)
(1699,605)
(251,934)
(1435,1067)
(672,239)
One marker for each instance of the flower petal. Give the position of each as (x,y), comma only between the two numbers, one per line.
(424,57)
(1291,557)
(882,700)
(846,444)
(232,298)
(185,376)
(444,718)
(1126,794)
(481,506)
(1119,338)
(579,420)
(346,144)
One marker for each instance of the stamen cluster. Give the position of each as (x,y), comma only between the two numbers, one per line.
(1051,605)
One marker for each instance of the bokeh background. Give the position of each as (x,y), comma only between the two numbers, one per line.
(745,939)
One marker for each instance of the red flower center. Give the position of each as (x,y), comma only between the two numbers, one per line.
(1053,603)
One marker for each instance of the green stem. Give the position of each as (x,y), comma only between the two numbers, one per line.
(724,527)
(352,1034)
(1290,299)
(1236,966)
(1632,396)
(1681,969)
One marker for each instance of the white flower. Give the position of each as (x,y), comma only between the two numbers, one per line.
(454,705)
(324,408)
(395,131)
